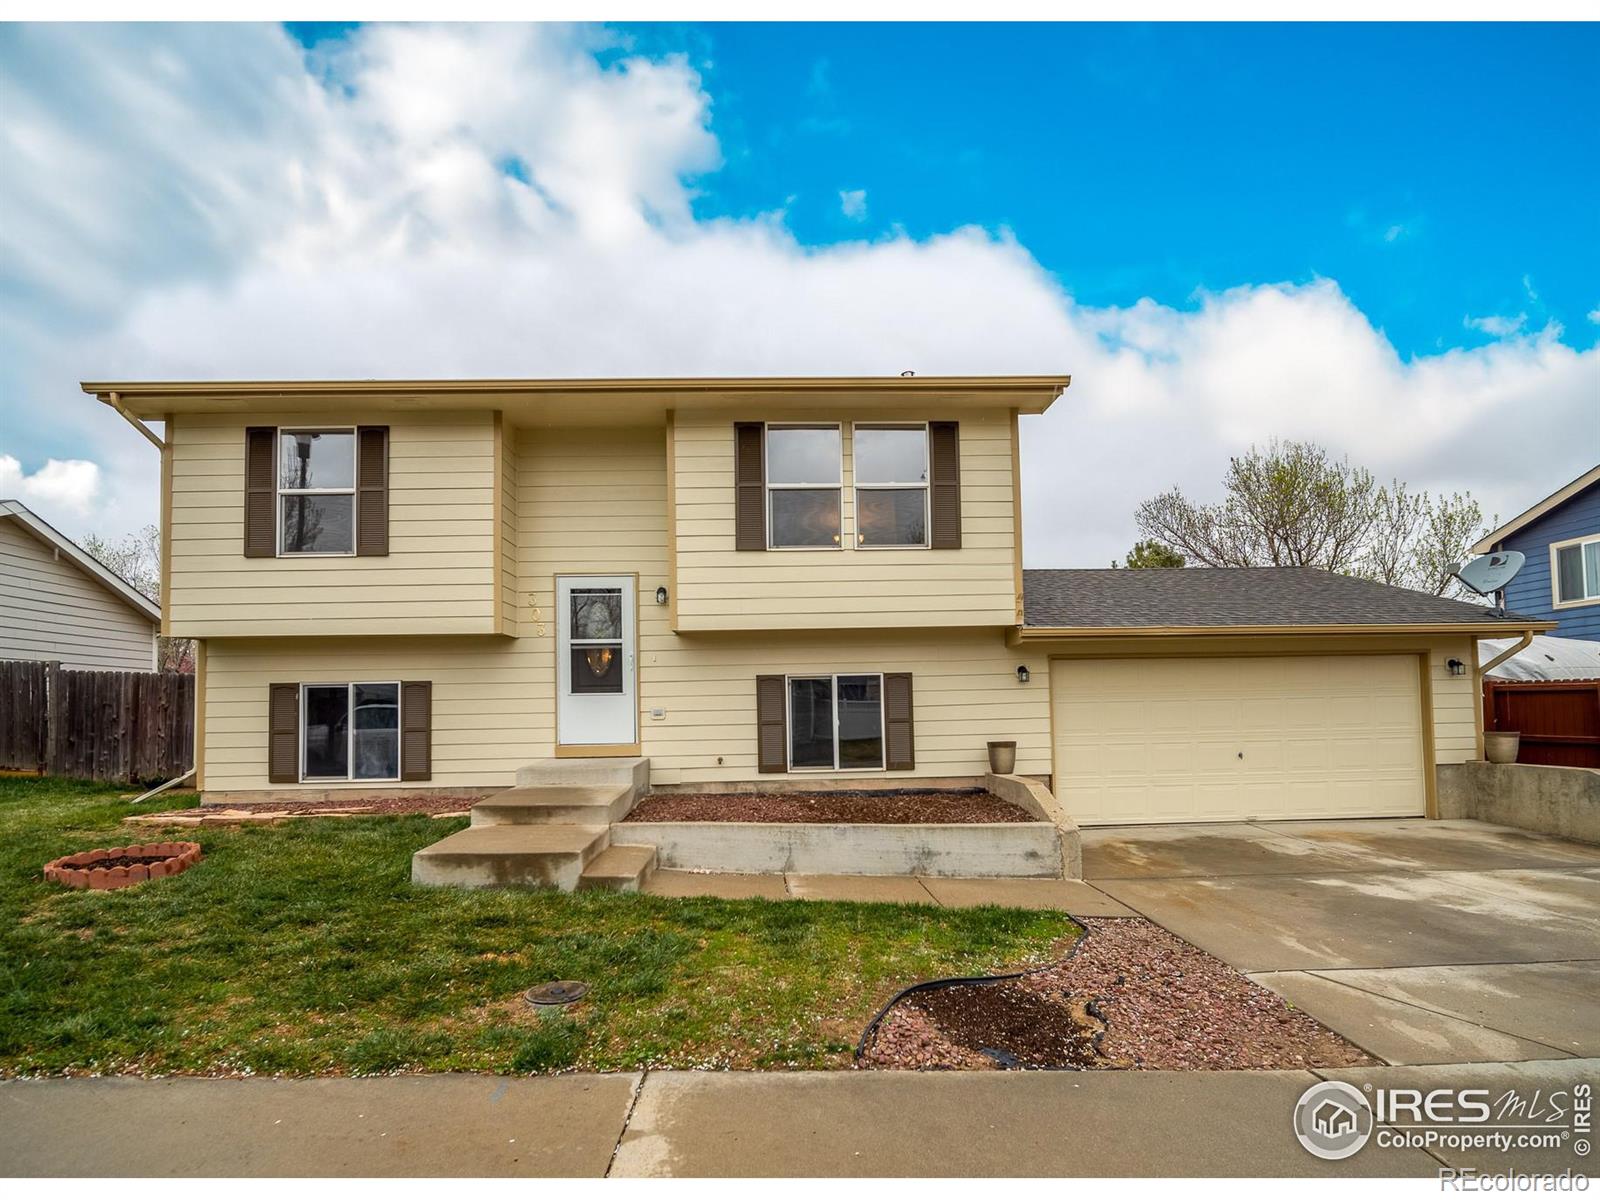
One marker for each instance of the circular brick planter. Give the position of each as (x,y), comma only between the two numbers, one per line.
(123,866)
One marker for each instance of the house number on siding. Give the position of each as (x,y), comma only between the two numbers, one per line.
(536,615)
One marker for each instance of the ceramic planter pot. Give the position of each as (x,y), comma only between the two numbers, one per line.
(1501,747)
(1002,757)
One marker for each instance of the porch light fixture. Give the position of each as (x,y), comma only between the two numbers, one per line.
(1022,674)
(1456,666)
(661,595)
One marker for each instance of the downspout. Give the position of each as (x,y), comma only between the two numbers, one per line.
(115,401)
(1478,674)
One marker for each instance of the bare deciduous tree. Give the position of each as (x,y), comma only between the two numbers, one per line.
(1292,505)
(137,558)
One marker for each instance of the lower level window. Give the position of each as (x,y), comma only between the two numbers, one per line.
(350,731)
(836,722)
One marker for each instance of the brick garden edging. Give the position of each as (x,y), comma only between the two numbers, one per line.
(80,870)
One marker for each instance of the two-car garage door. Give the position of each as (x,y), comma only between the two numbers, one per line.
(1222,739)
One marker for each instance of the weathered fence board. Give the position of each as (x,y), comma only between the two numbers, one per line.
(1559,720)
(127,726)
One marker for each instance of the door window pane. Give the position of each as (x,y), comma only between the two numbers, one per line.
(892,517)
(805,517)
(597,615)
(596,670)
(890,455)
(1569,573)
(316,460)
(326,732)
(860,721)
(802,455)
(811,722)
(318,524)
(377,731)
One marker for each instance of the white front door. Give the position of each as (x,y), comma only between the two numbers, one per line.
(596,694)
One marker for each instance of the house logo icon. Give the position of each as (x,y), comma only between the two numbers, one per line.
(1332,1120)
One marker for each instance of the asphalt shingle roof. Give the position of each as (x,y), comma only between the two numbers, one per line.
(1219,596)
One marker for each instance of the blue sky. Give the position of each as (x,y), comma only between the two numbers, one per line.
(1436,172)
(1382,238)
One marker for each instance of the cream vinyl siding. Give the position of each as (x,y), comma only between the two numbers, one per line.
(720,588)
(1226,739)
(494,699)
(439,574)
(52,611)
(594,502)
(1455,701)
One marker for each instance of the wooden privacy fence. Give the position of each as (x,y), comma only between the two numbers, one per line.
(1559,720)
(123,726)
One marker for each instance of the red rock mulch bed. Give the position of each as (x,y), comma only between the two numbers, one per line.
(104,870)
(967,806)
(250,813)
(1131,996)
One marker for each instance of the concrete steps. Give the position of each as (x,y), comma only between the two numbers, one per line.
(511,856)
(554,805)
(619,869)
(631,773)
(552,830)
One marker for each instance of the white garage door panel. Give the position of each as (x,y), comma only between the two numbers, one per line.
(1150,740)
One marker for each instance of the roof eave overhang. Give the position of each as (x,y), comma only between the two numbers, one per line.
(1529,516)
(1041,633)
(1030,394)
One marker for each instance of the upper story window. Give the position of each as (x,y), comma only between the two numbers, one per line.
(891,477)
(1577,570)
(804,474)
(316,491)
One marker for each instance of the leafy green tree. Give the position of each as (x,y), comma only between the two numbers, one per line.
(1150,553)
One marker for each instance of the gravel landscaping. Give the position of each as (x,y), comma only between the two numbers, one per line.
(967,806)
(1129,996)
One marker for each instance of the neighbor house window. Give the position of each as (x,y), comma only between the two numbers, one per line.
(1577,570)
(891,476)
(350,731)
(836,722)
(316,491)
(804,487)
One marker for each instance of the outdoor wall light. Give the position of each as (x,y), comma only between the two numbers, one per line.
(1022,674)
(1456,666)
(661,595)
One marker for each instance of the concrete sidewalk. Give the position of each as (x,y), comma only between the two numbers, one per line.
(843,1123)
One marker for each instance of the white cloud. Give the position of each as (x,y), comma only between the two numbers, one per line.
(1594,315)
(854,204)
(71,485)
(489,200)
(1498,326)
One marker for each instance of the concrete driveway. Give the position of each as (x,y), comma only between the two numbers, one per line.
(1420,941)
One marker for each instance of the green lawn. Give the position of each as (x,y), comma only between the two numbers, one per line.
(303,949)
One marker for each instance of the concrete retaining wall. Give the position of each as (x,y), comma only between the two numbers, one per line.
(1030,850)
(1564,801)
(1032,796)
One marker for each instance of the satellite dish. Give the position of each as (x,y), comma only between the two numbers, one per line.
(1488,574)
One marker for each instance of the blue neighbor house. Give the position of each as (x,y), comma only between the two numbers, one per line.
(1561,537)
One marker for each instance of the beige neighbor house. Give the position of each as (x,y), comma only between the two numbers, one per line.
(58,603)
(806,581)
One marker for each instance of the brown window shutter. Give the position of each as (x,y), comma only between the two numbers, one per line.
(772,753)
(416,730)
(749,489)
(283,733)
(260,492)
(944,472)
(372,490)
(899,734)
